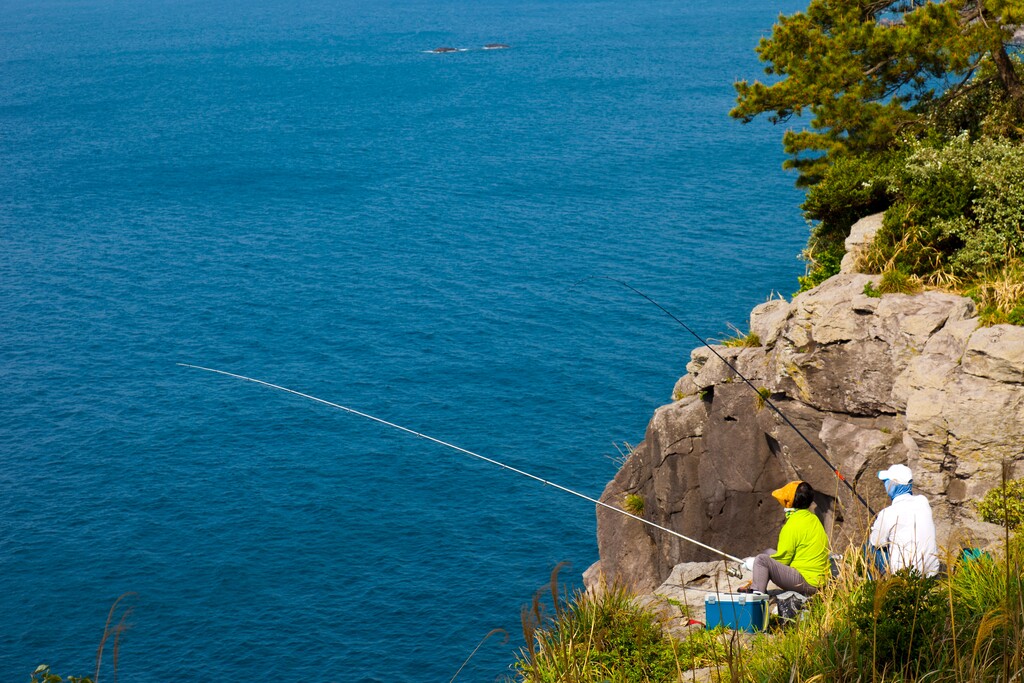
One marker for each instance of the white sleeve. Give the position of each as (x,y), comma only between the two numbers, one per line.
(879,531)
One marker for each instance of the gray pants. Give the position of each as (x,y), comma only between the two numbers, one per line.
(784,577)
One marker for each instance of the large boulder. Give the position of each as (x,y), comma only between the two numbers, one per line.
(862,234)
(843,385)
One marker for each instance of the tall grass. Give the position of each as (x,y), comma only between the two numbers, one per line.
(966,625)
(606,636)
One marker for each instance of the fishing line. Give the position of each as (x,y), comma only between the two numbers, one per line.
(464,451)
(732,367)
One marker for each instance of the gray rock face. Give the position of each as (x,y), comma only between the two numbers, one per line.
(867,382)
(861,235)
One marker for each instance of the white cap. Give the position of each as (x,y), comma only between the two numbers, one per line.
(900,474)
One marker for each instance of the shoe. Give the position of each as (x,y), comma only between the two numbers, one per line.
(745,588)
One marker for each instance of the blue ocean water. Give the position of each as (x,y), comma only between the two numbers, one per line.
(300,193)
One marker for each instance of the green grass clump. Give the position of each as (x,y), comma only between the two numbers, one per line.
(606,637)
(633,504)
(1004,505)
(763,394)
(895,618)
(963,626)
(1000,295)
(898,282)
(748,340)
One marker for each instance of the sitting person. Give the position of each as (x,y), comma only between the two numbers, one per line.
(903,535)
(801,562)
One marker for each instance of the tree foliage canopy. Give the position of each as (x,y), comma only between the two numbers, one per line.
(869,71)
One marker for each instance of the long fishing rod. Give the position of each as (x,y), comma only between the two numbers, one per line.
(464,451)
(732,367)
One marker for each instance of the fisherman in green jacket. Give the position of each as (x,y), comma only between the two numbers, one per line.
(801,562)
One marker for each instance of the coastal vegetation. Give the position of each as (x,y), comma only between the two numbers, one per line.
(1004,505)
(966,625)
(606,636)
(633,504)
(741,340)
(916,109)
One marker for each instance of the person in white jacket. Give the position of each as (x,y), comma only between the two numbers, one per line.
(903,534)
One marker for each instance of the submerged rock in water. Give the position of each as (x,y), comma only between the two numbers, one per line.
(442,50)
(496,46)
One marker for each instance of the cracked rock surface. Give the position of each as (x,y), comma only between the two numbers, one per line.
(868,381)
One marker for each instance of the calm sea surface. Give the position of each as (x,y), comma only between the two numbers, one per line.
(300,193)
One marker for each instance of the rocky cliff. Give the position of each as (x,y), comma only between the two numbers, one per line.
(868,380)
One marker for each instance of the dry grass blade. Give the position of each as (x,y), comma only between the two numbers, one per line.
(490,633)
(116,631)
(554,588)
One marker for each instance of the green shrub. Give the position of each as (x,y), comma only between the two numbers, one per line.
(958,209)
(904,244)
(852,188)
(870,290)
(823,261)
(996,233)
(1004,506)
(896,619)
(42,674)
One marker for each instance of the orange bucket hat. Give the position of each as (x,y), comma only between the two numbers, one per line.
(785,494)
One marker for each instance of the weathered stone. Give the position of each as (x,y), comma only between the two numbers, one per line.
(997,353)
(686,573)
(862,233)
(985,419)
(855,445)
(920,316)
(955,530)
(862,383)
(688,583)
(684,386)
(951,340)
(766,320)
(708,367)
(924,378)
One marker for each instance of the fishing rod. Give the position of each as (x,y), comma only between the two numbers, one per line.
(464,451)
(732,367)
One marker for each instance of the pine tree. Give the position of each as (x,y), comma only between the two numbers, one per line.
(870,71)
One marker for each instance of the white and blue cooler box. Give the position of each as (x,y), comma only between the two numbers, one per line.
(738,611)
